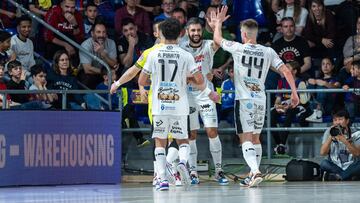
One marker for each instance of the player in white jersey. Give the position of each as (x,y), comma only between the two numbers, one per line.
(203,52)
(251,65)
(169,67)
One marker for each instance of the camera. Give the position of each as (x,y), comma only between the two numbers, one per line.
(337,130)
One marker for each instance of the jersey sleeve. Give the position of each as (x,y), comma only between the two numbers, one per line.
(147,66)
(140,63)
(230,46)
(191,65)
(276,62)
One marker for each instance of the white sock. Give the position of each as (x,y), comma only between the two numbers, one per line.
(193,155)
(184,153)
(155,168)
(258,150)
(160,162)
(172,155)
(216,151)
(249,154)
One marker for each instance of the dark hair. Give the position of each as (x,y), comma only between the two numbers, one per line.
(4,36)
(170,28)
(193,21)
(23,18)
(103,71)
(341,113)
(13,64)
(296,66)
(36,69)
(212,6)
(287,19)
(90,4)
(127,21)
(57,56)
(356,63)
(98,21)
(179,10)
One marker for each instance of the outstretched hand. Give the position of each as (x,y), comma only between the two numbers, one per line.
(219,17)
(294,100)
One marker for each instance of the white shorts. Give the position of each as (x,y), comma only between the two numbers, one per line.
(176,125)
(206,107)
(249,115)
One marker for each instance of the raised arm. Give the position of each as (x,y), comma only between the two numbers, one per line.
(216,20)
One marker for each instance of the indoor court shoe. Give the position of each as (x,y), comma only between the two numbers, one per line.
(194,179)
(315,117)
(164,185)
(184,174)
(255,180)
(245,182)
(220,178)
(177,179)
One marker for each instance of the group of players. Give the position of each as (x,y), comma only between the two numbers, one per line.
(184,70)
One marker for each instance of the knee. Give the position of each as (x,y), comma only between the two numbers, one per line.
(211,132)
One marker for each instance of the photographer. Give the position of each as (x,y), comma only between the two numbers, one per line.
(342,148)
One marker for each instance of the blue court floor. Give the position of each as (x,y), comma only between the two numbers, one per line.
(203,193)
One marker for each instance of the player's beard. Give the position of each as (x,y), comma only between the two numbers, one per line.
(195,41)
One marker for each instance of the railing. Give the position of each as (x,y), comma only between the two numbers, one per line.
(268,127)
(67,39)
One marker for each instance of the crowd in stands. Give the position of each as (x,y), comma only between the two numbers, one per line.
(318,40)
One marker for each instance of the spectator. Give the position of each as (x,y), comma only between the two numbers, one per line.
(222,58)
(106,11)
(8,13)
(132,43)
(68,21)
(138,15)
(151,6)
(91,12)
(351,50)
(190,9)
(180,15)
(324,101)
(61,79)
(227,99)
(5,44)
(3,87)
(17,82)
(38,74)
(282,107)
(352,100)
(21,46)
(341,148)
(101,46)
(167,6)
(320,30)
(39,8)
(292,8)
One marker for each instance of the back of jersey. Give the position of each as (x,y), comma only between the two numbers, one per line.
(169,66)
(251,65)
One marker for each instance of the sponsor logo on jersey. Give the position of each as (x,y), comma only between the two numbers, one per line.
(159,123)
(199,58)
(169,47)
(249,105)
(205,106)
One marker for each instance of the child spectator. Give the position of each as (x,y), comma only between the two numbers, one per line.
(62,79)
(38,74)
(324,101)
(17,82)
(5,38)
(282,106)
(352,100)
(227,99)
(91,13)
(167,6)
(3,87)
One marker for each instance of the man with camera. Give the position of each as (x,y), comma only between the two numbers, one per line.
(341,148)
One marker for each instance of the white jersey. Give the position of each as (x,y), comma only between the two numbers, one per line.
(168,66)
(24,51)
(251,65)
(204,58)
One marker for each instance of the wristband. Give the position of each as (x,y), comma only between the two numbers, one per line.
(117,83)
(207,91)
